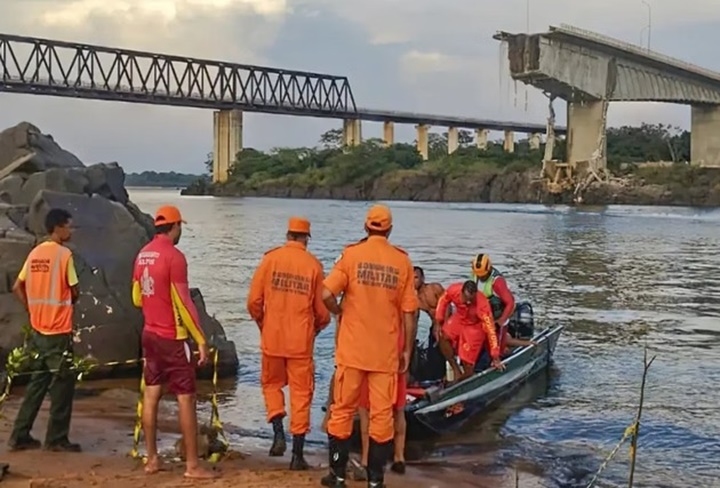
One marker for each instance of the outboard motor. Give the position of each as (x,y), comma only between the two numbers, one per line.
(522,322)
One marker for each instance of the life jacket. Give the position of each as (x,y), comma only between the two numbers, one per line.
(48,293)
(486,288)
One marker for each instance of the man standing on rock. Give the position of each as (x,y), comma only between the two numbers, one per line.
(48,287)
(375,338)
(160,288)
(285,301)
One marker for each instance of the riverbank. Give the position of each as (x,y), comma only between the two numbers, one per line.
(103,421)
(674,185)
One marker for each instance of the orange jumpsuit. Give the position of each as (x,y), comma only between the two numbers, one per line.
(377,280)
(470,325)
(286,301)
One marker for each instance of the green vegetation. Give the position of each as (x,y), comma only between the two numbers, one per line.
(330,165)
(165,179)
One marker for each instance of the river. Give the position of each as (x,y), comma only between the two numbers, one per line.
(618,278)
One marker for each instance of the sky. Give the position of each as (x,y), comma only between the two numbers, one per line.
(412,55)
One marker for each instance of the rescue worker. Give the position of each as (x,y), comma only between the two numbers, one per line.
(378,321)
(491,283)
(48,287)
(285,300)
(467,329)
(428,295)
(160,287)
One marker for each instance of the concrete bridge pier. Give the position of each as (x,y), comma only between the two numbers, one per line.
(453,139)
(389,133)
(481,138)
(228,141)
(585,124)
(534,141)
(422,140)
(352,132)
(509,143)
(705,135)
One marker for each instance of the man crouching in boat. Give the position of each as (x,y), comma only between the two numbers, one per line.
(467,329)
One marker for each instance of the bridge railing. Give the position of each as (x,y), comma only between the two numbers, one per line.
(40,66)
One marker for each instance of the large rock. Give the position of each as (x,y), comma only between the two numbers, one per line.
(109,231)
(25,138)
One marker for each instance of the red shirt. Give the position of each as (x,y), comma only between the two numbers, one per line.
(477,314)
(160,288)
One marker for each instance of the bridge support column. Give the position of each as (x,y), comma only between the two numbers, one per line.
(422,140)
(481,139)
(585,123)
(228,139)
(389,133)
(705,135)
(453,139)
(509,144)
(352,132)
(534,141)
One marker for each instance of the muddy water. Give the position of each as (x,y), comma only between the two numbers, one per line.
(617,278)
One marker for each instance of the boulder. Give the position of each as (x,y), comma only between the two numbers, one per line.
(109,230)
(25,138)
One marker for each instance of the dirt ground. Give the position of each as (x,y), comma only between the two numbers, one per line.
(103,425)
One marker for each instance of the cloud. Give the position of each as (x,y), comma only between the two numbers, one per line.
(420,55)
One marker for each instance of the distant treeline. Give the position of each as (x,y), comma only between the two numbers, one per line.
(163,179)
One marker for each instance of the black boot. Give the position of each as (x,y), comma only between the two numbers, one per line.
(378,454)
(338,450)
(279,445)
(298,463)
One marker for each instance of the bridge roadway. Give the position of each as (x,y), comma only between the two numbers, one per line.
(38,66)
(589,70)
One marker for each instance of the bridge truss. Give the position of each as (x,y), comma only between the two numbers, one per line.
(45,67)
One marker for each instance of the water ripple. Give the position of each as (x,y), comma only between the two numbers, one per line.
(618,278)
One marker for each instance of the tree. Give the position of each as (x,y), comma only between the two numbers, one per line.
(332,139)
(209,163)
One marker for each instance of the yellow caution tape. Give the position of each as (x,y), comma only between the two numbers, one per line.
(215,422)
(629,431)
(19,357)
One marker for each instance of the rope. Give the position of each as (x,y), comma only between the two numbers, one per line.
(629,431)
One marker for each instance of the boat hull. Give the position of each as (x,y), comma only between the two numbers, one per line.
(449,409)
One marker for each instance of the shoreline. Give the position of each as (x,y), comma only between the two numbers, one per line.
(103,422)
(682,186)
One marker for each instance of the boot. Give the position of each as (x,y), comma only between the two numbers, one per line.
(279,445)
(339,455)
(298,463)
(378,454)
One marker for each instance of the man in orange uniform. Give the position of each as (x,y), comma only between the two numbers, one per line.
(379,304)
(467,329)
(48,287)
(160,288)
(285,301)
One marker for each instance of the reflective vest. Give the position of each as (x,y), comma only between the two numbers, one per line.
(48,293)
(486,287)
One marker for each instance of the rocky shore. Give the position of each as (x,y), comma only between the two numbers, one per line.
(679,186)
(109,231)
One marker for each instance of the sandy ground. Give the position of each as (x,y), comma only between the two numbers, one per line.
(103,425)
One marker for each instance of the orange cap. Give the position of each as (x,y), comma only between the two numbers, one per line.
(299,225)
(379,217)
(168,214)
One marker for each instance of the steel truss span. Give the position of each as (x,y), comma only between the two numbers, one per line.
(46,67)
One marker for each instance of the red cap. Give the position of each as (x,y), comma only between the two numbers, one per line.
(168,214)
(379,218)
(299,225)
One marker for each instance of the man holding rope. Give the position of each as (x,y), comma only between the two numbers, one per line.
(160,288)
